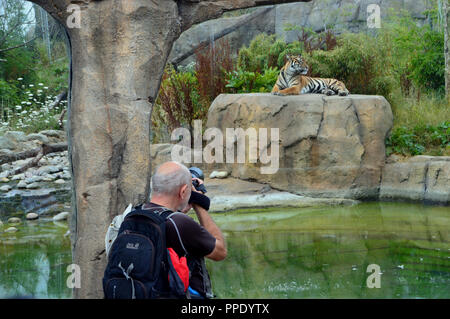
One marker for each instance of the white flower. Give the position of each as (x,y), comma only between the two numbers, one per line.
(18,107)
(40,84)
(28,103)
(24,112)
(31,94)
(19,79)
(39,91)
(23,102)
(46,87)
(31,85)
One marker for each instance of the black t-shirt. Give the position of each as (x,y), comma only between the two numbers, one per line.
(197,241)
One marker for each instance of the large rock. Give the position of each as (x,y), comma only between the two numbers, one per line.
(6,143)
(420,178)
(329,146)
(343,15)
(190,39)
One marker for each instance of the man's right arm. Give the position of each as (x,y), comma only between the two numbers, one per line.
(220,250)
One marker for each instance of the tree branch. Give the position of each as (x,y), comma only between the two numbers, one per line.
(45,149)
(17,46)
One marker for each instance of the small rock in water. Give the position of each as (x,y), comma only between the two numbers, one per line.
(48,178)
(14,220)
(33,185)
(11,230)
(5,188)
(6,167)
(61,216)
(4,180)
(18,177)
(32,216)
(22,184)
(218,174)
(60,181)
(33,179)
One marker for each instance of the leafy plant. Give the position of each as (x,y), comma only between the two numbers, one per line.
(419,140)
(241,81)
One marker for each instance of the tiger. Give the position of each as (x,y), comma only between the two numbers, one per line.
(292,80)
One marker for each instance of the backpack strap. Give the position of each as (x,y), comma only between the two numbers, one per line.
(178,233)
(140,211)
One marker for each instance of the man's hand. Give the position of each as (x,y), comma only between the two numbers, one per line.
(189,206)
(199,181)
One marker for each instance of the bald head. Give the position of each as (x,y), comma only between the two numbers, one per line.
(169,177)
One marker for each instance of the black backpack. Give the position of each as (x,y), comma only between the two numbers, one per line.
(139,266)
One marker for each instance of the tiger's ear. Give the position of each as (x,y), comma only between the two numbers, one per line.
(289,57)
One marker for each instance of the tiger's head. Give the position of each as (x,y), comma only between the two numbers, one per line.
(296,65)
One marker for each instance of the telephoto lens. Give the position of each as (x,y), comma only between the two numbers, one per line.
(197,173)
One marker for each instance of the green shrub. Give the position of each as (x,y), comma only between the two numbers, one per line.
(241,81)
(265,52)
(417,52)
(359,61)
(433,140)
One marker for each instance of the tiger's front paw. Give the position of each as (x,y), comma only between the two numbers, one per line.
(328,92)
(278,93)
(343,93)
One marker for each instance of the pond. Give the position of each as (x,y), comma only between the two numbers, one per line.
(278,253)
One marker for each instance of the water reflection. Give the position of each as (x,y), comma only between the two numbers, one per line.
(324,253)
(283,253)
(33,261)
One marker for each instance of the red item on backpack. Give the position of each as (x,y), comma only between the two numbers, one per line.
(181,267)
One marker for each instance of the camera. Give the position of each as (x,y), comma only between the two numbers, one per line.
(197,173)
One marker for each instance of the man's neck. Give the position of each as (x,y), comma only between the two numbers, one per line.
(163,201)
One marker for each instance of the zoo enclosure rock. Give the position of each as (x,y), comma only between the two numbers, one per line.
(328,146)
(419,178)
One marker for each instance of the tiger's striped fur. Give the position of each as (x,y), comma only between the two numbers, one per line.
(292,80)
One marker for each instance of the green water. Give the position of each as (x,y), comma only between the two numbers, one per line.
(288,253)
(34,260)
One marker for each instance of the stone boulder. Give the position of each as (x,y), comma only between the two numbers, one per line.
(328,146)
(419,178)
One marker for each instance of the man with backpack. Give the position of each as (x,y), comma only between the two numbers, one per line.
(159,250)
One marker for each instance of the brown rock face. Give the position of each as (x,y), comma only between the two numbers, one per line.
(328,146)
(419,178)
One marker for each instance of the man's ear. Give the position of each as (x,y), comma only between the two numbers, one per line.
(183,190)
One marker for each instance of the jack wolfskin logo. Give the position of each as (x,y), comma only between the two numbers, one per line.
(133,246)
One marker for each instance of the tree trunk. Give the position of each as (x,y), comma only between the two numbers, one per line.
(117,60)
(118,57)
